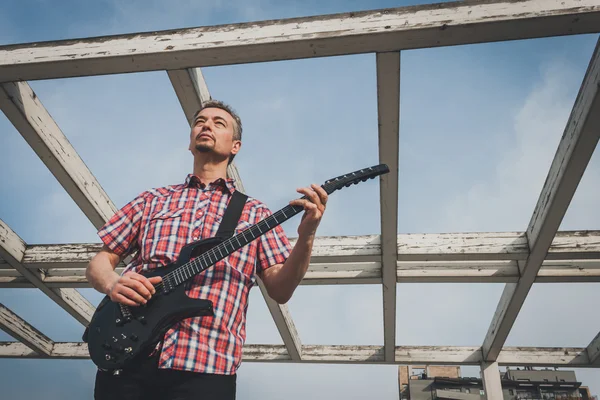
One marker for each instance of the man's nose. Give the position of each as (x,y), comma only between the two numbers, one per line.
(208,125)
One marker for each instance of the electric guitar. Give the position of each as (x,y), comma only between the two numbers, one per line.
(119,334)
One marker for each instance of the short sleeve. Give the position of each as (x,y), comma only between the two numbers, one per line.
(273,247)
(120,233)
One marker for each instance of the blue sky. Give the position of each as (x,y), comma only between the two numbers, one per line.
(479,128)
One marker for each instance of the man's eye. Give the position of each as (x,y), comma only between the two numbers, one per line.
(220,124)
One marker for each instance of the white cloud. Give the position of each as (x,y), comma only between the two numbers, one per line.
(506,199)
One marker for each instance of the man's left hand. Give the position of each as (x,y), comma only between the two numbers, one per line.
(314,207)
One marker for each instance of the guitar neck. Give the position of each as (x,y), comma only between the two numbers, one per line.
(240,240)
(229,246)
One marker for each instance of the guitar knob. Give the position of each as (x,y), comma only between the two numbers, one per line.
(142,320)
(133,338)
(106,346)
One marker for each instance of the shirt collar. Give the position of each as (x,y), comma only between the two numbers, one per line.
(192,180)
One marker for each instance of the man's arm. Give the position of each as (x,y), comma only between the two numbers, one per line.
(131,289)
(281,280)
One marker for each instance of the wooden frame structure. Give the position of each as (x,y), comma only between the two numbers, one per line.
(540,254)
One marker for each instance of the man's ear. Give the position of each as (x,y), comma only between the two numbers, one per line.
(237,144)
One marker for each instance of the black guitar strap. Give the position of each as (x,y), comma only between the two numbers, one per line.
(232,215)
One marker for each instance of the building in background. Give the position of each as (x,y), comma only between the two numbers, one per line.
(425,382)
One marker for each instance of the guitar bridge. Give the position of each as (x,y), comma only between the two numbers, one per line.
(125,313)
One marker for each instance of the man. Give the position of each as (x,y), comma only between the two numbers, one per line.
(198,357)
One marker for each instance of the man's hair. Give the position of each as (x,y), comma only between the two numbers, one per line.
(237,126)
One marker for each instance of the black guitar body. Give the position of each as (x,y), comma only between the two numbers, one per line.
(119,335)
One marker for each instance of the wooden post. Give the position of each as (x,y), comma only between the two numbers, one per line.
(490,374)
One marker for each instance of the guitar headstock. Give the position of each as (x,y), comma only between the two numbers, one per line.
(355,177)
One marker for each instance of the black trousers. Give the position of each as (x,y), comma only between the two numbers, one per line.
(145,381)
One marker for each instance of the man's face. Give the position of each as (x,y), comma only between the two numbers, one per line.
(213,132)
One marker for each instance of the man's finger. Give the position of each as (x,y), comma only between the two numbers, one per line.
(119,298)
(321,192)
(147,284)
(138,286)
(132,295)
(311,194)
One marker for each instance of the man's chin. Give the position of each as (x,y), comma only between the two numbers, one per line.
(203,149)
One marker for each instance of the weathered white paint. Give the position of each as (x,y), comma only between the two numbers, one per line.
(490,375)
(12,249)
(540,356)
(388,116)
(572,157)
(351,33)
(357,273)
(496,271)
(552,271)
(438,355)
(18,328)
(593,350)
(348,354)
(567,246)
(340,249)
(191,90)
(25,110)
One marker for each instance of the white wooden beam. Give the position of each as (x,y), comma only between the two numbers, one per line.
(395,29)
(388,113)
(494,246)
(63,265)
(25,110)
(593,350)
(348,354)
(12,250)
(490,375)
(192,91)
(572,157)
(481,246)
(501,271)
(18,328)
(553,271)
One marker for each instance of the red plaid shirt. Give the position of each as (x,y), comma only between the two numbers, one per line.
(157,224)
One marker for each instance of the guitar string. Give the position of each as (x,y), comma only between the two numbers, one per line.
(212,253)
(209,255)
(190,266)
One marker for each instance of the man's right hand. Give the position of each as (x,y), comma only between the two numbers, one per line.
(132,289)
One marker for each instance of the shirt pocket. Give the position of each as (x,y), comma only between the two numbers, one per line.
(166,234)
(167,213)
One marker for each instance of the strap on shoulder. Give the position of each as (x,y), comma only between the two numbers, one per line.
(232,215)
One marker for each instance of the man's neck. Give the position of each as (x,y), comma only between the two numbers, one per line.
(210,172)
